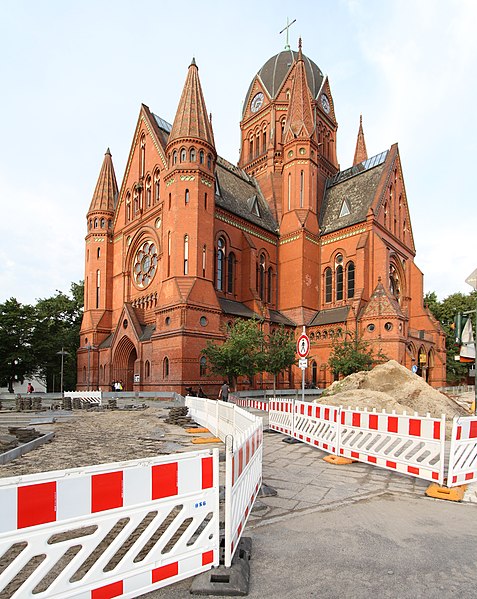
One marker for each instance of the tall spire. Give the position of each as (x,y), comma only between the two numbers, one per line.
(300,114)
(191,119)
(105,194)
(360,154)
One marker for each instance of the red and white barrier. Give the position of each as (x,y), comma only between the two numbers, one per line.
(94,398)
(243,479)
(317,425)
(128,528)
(411,445)
(256,404)
(280,415)
(463,451)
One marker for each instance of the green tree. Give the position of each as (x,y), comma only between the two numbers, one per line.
(445,311)
(280,352)
(17,358)
(241,354)
(352,354)
(58,321)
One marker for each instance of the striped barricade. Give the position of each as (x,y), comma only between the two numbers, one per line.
(112,530)
(93,398)
(317,425)
(258,404)
(243,479)
(280,415)
(463,451)
(412,445)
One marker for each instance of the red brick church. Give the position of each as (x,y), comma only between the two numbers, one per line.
(190,241)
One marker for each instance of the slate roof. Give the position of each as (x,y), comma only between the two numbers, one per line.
(331,316)
(279,318)
(357,186)
(238,192)
(236,308)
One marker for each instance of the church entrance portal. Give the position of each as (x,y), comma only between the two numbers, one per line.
(124,360)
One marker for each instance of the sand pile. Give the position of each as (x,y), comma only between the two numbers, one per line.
(391,386)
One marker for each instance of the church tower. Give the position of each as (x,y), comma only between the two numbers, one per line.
(96,323)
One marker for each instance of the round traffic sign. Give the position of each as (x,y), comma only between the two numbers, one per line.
(303,345)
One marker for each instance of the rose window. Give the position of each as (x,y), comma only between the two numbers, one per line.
(145,264)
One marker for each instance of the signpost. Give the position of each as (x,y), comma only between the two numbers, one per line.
(302,349)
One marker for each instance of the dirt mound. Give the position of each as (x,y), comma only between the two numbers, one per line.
(391,386)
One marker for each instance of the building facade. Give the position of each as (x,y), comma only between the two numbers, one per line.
(190,242)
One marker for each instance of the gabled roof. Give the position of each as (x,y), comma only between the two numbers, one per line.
(236,308)
(331,316)
(279,318)
(357,186)
(241,195)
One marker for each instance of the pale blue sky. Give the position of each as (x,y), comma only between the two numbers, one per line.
(74,74)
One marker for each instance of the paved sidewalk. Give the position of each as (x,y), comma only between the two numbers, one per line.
(352,531)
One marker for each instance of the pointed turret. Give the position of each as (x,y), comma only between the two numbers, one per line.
(360,154)
(300,114)
(106,191)
(191,119)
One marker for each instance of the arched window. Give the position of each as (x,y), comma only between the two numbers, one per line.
(220,264)
(103,223)
(269,285)
(209,161)
(205,201)
(95,223)
(261,277)
(110,223)
(302,188)
(186,254)
(165,368)
(204,260)
(187,196)
(98,253)
(192,155)
(98,283)
(148,192)
(128,206)
(264,140)
(257,144)
(230,272)
(251,148)
(90,223)
(201,157)
(183,155)
(169,241)
(147,369)
(136,203)
(170,201)
(394,282)
(339,282)
(350,279)
(282,129)
(174,157)
(143,155)
(289,191)
(203,366)
(328,285)
(157,186)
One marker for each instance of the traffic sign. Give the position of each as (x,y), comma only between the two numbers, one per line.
(303,345)
(414,368)
(472,279)
(303,363)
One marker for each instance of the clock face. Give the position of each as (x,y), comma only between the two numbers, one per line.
(325,103)
(257,102)
(145,264)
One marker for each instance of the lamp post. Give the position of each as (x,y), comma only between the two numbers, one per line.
(62,353)
(472,281)
(89,347)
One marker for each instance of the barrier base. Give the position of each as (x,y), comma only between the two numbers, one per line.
(338,460)
(449,494)
(198,429)
(227,582)
(201,440)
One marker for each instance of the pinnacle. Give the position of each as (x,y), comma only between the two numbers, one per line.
(106,189)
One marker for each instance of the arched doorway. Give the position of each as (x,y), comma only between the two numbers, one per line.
(422,363)
(124,359)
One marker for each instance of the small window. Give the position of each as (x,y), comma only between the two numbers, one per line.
(339,283)
(203,321)
(230,272)
(98,253)
(165,368)
(201,157)
(168,320)
(388,326)
(328,285)
(174,157)
(147,369)
(125,323)
(186,254)
(183,155)
(203,366)
(187,196)
(344,209)
(192,154)
(205,201)
(209,161)
(350,280)
(220,264)
(103,223)
(371,327)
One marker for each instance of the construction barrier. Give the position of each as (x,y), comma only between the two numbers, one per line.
(317,425)
(94,398)
(280,415)
(411,445)
(463,451)
(242,434)
(243,479)
(121,529)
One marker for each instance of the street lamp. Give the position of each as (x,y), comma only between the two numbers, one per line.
(472,281)
(62,353)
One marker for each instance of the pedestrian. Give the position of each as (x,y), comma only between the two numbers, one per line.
(201,392)
(113,386)
(30,388)
(224,392)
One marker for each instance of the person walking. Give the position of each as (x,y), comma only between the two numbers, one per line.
(224,392)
